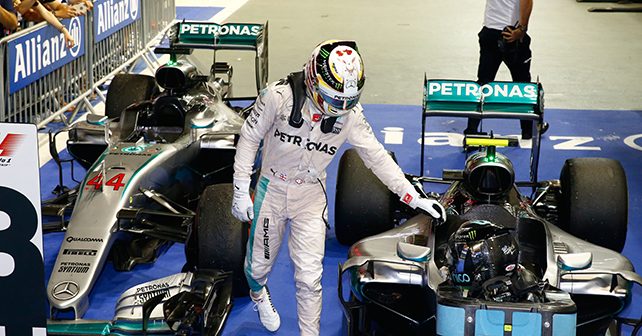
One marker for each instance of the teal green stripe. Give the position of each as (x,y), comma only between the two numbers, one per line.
(258,202)
(136,172)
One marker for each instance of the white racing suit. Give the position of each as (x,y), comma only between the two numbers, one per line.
(289,189)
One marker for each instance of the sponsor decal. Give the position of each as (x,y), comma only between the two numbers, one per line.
(266,238)
(152,287)
(510,267)
(309,145)
(316,117)
(472,234)
(34,55)
(65,290)
(147,292)
(143,297)
(461,278)
(219,30)
(74,267)
(79,252)
(407,198)
(8,147)
(324,53)
(338,126)
(508,249)
(71,239)
(112,15)
(506,90)
(133,153)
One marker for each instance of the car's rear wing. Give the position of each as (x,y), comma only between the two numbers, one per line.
(498,100)
(188,35)
(510,100)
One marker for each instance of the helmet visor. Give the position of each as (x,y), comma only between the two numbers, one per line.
(346,103)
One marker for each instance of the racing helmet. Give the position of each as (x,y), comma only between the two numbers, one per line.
(480,250)
(334,77)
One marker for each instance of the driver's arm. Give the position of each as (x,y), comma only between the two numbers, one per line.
(376,158)
(254,129)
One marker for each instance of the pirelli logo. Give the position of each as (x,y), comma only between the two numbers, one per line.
(79,252)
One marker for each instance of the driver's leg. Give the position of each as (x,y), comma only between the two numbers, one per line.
(306,244)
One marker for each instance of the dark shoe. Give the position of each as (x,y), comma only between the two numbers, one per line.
(544,128)
(527,133)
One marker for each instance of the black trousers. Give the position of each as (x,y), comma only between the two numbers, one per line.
(492,52)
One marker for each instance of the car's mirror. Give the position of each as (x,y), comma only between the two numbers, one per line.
(203,119)
(96,119)
(413,252)
(108,138)
(574,261)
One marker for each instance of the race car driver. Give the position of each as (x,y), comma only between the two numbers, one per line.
(302,121)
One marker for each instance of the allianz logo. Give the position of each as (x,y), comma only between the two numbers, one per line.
(114,12)
(39,52)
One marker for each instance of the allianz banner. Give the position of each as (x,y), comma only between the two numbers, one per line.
(112,15)
(34,55)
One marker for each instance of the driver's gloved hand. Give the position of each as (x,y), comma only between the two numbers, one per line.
(242,206)
(430,206)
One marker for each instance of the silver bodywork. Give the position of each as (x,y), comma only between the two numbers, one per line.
(140,169)
(375,259)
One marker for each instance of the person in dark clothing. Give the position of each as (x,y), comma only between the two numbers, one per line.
(503,38)
(8,18)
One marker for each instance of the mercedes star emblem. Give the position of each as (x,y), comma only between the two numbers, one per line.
(65,290)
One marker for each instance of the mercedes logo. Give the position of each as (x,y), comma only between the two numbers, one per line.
(65,290)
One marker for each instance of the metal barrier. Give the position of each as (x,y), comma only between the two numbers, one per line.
(40,79)
(156,16)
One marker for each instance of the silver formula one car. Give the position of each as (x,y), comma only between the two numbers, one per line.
(159,170)
(503,263)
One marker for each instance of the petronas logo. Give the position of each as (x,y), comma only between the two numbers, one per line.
(324,53)
(472,234)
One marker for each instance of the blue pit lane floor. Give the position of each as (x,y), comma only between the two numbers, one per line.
(611,134)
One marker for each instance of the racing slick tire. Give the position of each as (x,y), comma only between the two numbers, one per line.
(594,204)
(126,89)
(221,238)
(364,206)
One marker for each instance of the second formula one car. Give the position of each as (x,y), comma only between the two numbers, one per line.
(505,262)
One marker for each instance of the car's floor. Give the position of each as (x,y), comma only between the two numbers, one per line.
(438,37)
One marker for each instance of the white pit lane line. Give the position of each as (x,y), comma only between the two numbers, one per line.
(229,7)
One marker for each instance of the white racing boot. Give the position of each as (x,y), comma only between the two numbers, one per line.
(267,313)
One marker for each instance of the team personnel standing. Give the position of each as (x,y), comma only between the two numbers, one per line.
(302,121)
(503,38)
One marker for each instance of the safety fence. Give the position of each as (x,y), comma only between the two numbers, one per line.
(41,79)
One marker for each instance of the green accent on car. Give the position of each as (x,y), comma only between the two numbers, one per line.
(115,328)
(134,149)
(458,95)
(136,172)
(258,202)
(88,328)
